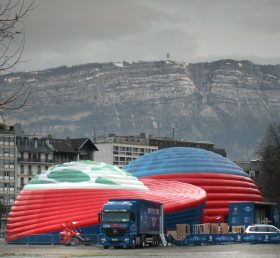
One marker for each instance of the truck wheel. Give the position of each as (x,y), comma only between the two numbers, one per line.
(106,246)
(87,241)
(143,244)
(73,242)
(133,244)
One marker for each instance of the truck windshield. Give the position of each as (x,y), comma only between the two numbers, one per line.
(115,216)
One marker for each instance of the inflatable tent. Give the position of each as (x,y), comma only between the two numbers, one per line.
(76,191)
(222,179)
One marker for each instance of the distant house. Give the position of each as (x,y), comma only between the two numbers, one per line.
(253,167)
(65,150)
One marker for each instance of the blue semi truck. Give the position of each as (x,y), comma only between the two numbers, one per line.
(131,223)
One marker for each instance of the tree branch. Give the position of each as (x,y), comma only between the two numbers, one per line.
(12,42)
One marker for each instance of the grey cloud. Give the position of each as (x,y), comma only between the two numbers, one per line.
(95,20)
(180,45)
(245,14)
(69,32)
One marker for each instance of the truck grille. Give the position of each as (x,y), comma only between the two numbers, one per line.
(114,232)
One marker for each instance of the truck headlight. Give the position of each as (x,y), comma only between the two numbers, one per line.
(126,240)
(103,240)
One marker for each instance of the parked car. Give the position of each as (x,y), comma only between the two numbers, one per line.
(262,228)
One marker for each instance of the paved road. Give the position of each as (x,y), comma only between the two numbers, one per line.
(211,251)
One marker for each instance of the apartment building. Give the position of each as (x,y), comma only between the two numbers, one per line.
(164,142)
(34,156)
(8,174)
(253,167)
(38,154)
(120,150)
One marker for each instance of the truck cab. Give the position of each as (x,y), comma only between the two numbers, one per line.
(131,223)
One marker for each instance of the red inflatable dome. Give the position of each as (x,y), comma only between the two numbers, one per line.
(77,191)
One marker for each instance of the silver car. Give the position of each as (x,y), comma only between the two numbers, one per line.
(262,228)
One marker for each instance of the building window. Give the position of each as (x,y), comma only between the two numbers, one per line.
(39,170)
(21,182)
(6,152)
(35,157)
(251,173)
(29,170)
(21,169)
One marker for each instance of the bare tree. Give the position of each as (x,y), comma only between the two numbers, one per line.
(269,151)
(12,40)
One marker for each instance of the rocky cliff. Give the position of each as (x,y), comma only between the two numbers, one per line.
(227,102)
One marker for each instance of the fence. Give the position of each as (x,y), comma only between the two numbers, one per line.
(216,239)
(216,233)
(49,239)
(2,234)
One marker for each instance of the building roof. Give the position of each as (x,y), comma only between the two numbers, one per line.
(70,145)
(80,142)
(62,145)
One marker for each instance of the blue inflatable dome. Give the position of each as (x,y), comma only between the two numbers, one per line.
(187,160)
(222,179)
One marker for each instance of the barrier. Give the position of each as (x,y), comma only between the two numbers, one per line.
(216,233)
(53,239)
(200,228)
(208,239)
(2,234)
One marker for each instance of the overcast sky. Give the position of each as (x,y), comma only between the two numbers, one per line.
(71,32)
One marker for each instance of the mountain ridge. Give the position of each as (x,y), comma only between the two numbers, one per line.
(227,102)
